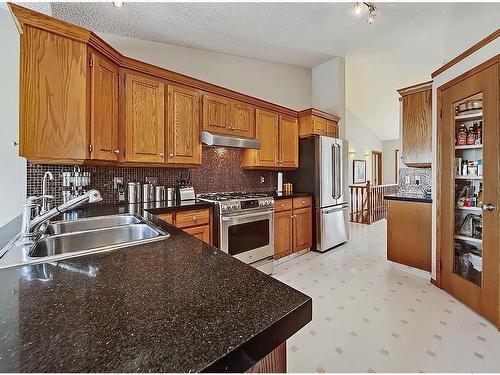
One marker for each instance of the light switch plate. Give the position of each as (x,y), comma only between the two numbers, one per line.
(407,179)
(417,180)
(117,181)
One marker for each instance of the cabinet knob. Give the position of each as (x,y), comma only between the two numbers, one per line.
(282,205)
(291,216)
(116,151)
(162,154)
(303,202)
(194,218)
(171,154)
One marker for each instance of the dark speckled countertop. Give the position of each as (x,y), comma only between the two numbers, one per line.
(409,197)
(176,305)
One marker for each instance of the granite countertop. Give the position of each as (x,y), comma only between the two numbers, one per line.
(282,195)
(176,305)
(409,197)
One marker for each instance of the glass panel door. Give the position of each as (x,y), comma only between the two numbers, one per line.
(468,175)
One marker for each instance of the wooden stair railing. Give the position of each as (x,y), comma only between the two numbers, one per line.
(367,203)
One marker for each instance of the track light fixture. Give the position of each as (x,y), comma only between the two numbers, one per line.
(372,15)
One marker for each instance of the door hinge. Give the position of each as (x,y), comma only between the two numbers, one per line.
(91,63)
(90,148)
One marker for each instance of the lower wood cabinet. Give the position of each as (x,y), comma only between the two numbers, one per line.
(195,222)
(409,233)
(292,226)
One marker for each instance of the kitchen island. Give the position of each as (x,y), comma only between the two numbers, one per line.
(175,305)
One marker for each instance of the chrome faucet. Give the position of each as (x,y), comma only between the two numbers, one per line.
(30,225)
(45,203)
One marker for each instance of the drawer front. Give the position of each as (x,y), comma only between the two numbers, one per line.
(186,219)
(168,217)
(302,202)
(282,205)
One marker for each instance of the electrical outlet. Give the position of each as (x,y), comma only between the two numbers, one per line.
(117,181)
(417,180)
(407,180)
(262,179)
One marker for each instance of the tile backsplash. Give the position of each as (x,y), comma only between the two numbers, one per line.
(407,180)
(220,171)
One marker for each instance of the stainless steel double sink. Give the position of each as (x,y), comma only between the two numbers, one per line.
(65,239)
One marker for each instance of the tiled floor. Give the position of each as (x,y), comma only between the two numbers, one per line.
(371,317)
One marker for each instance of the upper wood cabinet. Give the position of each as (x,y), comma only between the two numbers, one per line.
(315,122)
(230,117)
(243,119)
(266,130)
(216,114)
(53,98)
(183,126)
(416,126)
(288,142)
(103,108)
(144,119)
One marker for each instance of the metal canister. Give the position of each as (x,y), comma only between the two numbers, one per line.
(171,194)
(134,192)
(160,194)
(148,193)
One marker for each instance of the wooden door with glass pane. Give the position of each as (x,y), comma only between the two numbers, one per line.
(468,181)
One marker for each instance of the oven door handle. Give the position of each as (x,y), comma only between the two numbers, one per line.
(229,218)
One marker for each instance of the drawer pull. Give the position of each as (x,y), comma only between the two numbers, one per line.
(194,218)
(282,205)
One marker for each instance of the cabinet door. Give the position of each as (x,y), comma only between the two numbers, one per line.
(202,233)
(243,119)
(283,234)
(319,125)
(168,217)
(417,129)
(103,108)
(468,235)
(144,113)
(183,126)
(302,229)
(288,142)
(216,114)
(53,97)
(332,129)
(267,131)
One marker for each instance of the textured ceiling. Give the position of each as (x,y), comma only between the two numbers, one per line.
(303,34)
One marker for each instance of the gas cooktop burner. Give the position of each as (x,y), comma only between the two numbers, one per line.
(234,195)
(238,201)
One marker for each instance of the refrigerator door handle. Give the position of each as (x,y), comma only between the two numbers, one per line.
(337,171)
(334,172)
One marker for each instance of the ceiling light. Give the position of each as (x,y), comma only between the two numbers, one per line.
(357,9)
(118,4)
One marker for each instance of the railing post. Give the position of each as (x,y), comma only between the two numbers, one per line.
(369,201)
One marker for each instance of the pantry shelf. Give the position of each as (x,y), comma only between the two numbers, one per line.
(468,177)
(469,116)
(469,239)
(468,147)
(477,209)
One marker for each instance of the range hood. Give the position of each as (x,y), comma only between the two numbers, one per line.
(210,139)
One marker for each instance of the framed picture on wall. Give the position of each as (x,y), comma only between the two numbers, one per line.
(359,171)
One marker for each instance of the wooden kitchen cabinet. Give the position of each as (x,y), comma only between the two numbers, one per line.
(103,108)
(243,119)
(183,126)
(266,126)
(216,114)
(283,234)
(288,142)
(409,233)
(316,122)
(416,126)
(195,222)
(144,119)
(53,98)
(292,226)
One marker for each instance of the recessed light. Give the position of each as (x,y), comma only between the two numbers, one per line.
(118,4)
(357,9)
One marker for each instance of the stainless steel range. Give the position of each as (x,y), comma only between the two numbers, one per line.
(244,226)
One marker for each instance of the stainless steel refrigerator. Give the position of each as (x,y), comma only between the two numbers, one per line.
(323,171)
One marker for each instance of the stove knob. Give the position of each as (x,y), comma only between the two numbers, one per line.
(224,207)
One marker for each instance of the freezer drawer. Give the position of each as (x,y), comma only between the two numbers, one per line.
(332,227)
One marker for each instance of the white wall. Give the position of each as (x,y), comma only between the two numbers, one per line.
(12,167)
(283,84)
(328,89)
(388,160)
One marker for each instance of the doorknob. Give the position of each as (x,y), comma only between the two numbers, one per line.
(488,207)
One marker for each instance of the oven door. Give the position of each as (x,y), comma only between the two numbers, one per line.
(248,236)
